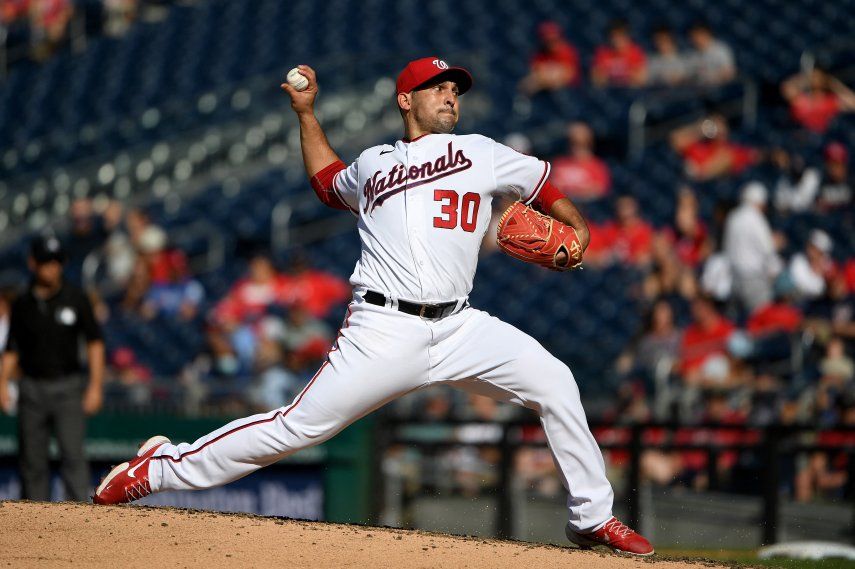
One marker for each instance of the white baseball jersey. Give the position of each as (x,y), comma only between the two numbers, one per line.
(424,207)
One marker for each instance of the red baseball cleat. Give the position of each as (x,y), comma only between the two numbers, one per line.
(614,535)
(129,481)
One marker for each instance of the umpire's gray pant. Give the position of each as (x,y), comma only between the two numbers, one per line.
(45,407)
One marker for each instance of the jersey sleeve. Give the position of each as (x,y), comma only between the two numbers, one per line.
(518,175)
(346,186)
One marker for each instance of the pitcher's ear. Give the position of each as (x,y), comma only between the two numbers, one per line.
(405,101)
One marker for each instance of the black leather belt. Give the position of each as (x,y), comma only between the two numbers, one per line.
(433,311)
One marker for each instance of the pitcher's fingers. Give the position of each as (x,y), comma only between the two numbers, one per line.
(308,73)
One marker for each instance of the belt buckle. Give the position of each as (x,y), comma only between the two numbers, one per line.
(423,309)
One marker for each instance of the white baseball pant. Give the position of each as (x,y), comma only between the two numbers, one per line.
(382,354)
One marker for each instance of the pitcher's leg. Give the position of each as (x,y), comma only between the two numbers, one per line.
(367,369)
(491,357)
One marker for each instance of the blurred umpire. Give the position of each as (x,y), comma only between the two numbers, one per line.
(47,325)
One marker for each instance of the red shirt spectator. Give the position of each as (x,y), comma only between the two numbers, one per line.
(774,317)
(11,10)
(556,63)
(562,56)
(619,67)
(817,99)
(250,297)
(629,239)
(621,63)
(707,151)
(815,112)
(628,243)
(581,178)
(701,155)
(317,292)
(691,248)
(581,174)
(705,337)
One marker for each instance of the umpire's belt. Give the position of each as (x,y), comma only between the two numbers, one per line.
(433,311)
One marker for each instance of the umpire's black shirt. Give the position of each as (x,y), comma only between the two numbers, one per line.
(45,333)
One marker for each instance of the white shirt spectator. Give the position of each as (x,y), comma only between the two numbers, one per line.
(797,196)
(671,69)
(748,243)
(750,249)
(808,282)
(809,269)
(713,63)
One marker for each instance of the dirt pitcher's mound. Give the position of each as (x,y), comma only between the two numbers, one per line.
(82,535)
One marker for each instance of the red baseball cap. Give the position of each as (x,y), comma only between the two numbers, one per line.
(420,71)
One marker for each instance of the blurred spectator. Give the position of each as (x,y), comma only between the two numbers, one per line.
(836,365)
(119,16)
(620,63)
(627,239)
(749,248)
(797,185)
(304,338)
(704,343)
(667,66)
(137,286)
(314,291)
(816,99)
(717,277)
(152,264)
(658,345)
(688,237)
(779,316)
(835,190)
(49,21)
(14,24)
(581,175)
(767,336)
(134,378)
(712,61)
(123,246)
(555,65)
(810,269)
(89,232)
(274,385)
(834,313)
(707,151)
(13,11)
(802,188)
(249,297)
(174,294)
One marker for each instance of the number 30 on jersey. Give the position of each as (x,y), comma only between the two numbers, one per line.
(456,210)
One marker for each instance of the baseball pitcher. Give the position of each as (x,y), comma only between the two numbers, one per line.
(423,205)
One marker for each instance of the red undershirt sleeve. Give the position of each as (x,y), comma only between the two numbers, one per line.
(548,195)
(323,184)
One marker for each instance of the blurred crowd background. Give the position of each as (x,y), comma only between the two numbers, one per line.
(709,144)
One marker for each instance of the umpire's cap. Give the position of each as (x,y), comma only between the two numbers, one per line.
(47,248)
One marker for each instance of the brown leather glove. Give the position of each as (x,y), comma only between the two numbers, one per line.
(530,236)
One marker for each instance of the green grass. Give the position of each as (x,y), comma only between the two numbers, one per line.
(742,558)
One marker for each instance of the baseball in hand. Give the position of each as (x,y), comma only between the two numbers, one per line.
(297,80)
